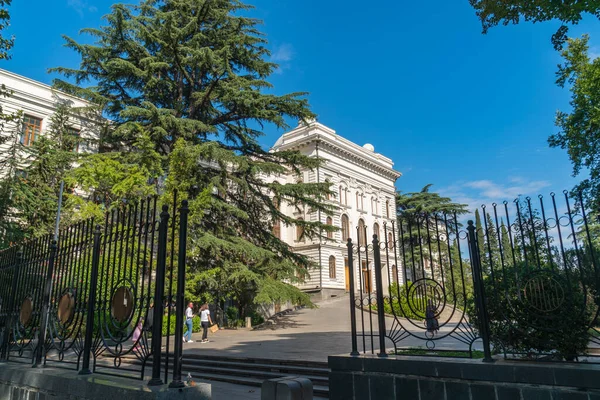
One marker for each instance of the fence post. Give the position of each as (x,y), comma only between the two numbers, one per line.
(177,382)
(89,321)
(352,299)
(159,294)
(479,292)
(11,305)
(39,353)
(379,286)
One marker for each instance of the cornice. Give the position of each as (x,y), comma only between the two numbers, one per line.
(353,157)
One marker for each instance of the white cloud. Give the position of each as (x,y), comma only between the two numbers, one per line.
(476,193)
(283,55)
(81,6)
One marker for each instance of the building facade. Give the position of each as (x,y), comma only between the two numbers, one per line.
(37,102)
(364,183)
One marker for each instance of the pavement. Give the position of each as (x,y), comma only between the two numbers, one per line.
(305,334)
(314,334)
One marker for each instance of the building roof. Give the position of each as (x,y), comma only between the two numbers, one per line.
(312,131)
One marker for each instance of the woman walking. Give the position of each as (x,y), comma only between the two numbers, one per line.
(206,321)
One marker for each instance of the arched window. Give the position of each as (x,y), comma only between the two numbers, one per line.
(299,230)
(345,197)
(332,267)
(329,222)
(376,230)
(345,228)
(394,274)
(390,240)
(362,235)
(387,208)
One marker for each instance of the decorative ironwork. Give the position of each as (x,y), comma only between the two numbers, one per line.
(523,282)
(93,300)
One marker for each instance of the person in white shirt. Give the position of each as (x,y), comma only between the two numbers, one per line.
(189,315)
(206,321)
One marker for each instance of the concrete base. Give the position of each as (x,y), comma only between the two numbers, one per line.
(437,378)
(19,381)
(287,388)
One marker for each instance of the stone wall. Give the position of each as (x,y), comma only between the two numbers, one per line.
(434,378)
(22,382)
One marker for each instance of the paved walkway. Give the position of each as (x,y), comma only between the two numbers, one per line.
(307,334)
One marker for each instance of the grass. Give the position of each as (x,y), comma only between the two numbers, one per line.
(419,351)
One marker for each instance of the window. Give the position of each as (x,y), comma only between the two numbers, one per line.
(329,222)
(345,228)
(346,197)
(332,267)
(387,208)
(329,195)
(73,139)
(394,274)
(362,234)
(32,127)
(390,241)
(341,198)
(299,230)
(376,230)
(362,201)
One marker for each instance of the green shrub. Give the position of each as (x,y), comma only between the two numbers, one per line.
(517,326)
(196,325)
(257,319)
(232,316)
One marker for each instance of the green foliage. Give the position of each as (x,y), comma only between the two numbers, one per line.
(579,132)
(399,303)
(196,325)
(516,325)
(496,12)
(257,319)
(232,314)
(6,44)
(420,216)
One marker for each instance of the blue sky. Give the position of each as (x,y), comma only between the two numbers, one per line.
(468,112)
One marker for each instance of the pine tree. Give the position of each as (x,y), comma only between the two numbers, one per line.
(191,76)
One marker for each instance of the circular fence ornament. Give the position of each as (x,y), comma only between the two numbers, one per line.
(543,292)
(26,310)
(423,294)
(122,304)
(66,308)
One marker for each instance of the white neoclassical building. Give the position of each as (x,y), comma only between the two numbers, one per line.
(37,102)
(364,182)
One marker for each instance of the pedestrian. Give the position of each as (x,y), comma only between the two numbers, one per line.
(137,333)
(189,316)
(431,319)
(149,318)
(206,321)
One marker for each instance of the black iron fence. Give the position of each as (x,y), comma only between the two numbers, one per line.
(521,281)
(94,299)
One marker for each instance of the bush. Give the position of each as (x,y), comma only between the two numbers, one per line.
(399,306)
(536,311)
(196,325)
(232,316)
(257,319)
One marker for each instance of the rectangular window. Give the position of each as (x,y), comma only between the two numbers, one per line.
(73,139)
(31,129)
